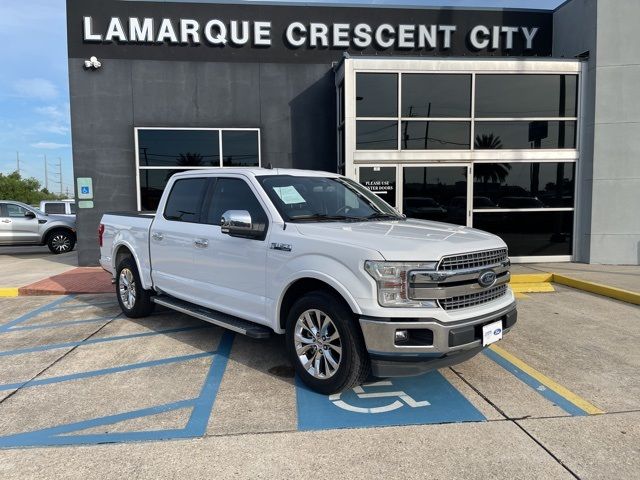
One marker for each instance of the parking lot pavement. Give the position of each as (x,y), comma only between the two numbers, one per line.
(24,265)
(175,397)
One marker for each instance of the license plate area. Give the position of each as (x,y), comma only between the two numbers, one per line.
(491,333)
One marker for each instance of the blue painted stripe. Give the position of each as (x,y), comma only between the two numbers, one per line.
(113,303)
(34,313)
(51,436)
(105,371)
(547,393)
(199,419)
(60,324)
(91,341)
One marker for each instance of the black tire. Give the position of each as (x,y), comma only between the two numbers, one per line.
(353,365)
(61,241)
(128,280)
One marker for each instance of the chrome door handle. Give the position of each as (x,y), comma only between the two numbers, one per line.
(157,236)
(201,243)
(6,220)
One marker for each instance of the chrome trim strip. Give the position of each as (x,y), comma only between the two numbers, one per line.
(441,293)
(428,276)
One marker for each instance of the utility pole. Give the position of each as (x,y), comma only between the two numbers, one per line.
(18,161)
(60,173)
(46,176)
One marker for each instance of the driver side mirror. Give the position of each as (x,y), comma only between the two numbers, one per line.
(238,223)
(29,214)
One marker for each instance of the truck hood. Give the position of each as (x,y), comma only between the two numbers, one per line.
(407,240)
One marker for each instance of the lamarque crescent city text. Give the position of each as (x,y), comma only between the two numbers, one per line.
(216,32)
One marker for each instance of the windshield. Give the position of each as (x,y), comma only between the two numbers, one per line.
(300,199)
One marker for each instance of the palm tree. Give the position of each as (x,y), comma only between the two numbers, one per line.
(488,142)
(190,160)
(491,172)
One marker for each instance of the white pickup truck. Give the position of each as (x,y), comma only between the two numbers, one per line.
(357,288)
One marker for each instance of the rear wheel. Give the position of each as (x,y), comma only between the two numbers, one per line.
(325,344)
(134,301)
(61,241)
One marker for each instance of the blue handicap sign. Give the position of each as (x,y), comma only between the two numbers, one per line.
(429,398)
(84,190)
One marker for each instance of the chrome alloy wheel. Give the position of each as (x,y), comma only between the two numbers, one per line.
(61,243)
(317,344)
(127,288)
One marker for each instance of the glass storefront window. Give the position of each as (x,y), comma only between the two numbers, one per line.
(436,95)
(376,135)
(182,148)
(152,183)
(525,135)
(435,193)
(526,95)
(376,95)
(240,148)
(381,181)
(524,185)
(441,135)
(530,233)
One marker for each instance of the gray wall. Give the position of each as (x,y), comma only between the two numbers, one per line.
(292,104)
(609,183)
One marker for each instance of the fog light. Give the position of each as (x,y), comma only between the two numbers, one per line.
(402,336)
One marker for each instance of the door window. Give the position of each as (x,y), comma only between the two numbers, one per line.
(15,211)
(185,200)
(233,194)
(54,208)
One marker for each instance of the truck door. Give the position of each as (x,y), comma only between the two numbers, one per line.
(229,272)
(172,237)
(16,227)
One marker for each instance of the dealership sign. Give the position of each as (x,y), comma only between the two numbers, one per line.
(260,32)
(217,32)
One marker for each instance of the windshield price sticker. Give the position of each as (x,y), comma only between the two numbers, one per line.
(289,195)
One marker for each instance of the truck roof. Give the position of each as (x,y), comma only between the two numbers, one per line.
(256,172)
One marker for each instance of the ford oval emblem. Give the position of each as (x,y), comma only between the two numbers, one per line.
(486,279)
(497,331)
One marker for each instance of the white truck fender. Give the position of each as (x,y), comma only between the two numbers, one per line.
(145,273)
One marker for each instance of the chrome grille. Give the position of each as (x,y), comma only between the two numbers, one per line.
(473,260)
(473,299)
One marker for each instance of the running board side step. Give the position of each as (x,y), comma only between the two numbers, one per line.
(230,322)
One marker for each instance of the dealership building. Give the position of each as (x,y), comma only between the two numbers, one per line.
(524,123)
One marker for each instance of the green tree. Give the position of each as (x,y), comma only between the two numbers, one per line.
(26,190)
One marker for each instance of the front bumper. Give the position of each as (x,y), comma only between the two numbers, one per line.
(435,344)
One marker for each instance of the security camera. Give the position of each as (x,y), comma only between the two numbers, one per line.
(93,63)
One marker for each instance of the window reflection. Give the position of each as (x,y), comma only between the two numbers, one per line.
(530,233)
(435,193)
(376,95)
(525,135)
(376,135)
(418,135)
(436,95)
(152,183)
(240,148)
(184,148)
(525,185)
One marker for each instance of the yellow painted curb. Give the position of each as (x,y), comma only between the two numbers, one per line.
(605,290)
(532,287)
(547,382)
(531,277)
(8,292)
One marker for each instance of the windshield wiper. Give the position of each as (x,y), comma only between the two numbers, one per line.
(324,217)
(381,215)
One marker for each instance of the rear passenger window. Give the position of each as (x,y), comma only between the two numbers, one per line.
(185,200)
(234,194)
(72,208)
(54,208)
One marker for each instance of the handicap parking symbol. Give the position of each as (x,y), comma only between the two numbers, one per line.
(84,190)
(426,399)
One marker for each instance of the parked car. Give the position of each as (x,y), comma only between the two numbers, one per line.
(59,207)
(21,224)
(355,287)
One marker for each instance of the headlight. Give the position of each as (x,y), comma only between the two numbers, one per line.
(391,278)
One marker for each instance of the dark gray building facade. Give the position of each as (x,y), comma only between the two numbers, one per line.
(479,117)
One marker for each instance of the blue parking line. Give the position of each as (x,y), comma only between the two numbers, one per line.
(105,371)
(36,312)
(196,425)
(112,303)
(547,393)
(91,341)
(204,403)
(60,324)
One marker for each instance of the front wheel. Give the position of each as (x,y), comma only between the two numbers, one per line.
(134,301)
(325,344)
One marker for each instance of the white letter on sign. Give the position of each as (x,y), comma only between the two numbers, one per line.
(89,36)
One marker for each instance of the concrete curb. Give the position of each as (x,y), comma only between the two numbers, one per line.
(599,289)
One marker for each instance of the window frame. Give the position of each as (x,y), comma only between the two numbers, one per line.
(139,168)
(208,197)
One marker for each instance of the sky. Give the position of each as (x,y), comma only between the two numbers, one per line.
(34,90)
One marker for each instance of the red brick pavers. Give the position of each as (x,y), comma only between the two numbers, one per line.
(78,280)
